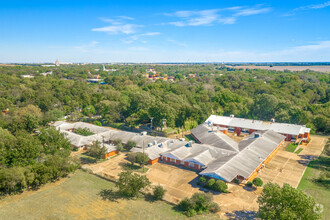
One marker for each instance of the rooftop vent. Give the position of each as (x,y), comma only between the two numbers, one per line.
(256,135)
(272,120)
(190,143)
(155,142)
(143,133)
(232,116)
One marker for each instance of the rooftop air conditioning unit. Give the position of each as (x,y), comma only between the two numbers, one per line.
(232,116)
(256,135)
(155,142)
(272,120)
(143,133)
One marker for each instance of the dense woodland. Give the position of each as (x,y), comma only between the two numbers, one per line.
(32,153)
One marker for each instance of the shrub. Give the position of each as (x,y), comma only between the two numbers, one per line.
(214,207)
(97,123)
(199,203)
(220,186)
(185,205)
(159,192)
(202,180)
(258,182)
(249,184)
(210,183)
(236,181)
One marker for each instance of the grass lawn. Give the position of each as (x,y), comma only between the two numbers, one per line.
(78,197)
(299,150)
(309,186)
(189,137)
(291,147)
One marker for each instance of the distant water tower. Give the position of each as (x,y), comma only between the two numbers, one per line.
(57,63)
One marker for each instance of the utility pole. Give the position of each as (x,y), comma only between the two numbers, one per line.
(164,124)
(143,156)
(151,123)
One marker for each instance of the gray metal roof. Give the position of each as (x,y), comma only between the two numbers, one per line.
(282,128)
(206,134)
(221,155)
(253,151)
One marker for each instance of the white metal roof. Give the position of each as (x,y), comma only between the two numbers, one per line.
(282,128)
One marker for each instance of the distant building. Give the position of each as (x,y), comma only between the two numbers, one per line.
(27,76)
(47,73)
(151,70)
(57,63)
(241,125)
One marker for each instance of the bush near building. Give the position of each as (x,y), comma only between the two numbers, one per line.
(220,186)
(258,182)
(249,184)
(216,185)
(199,203)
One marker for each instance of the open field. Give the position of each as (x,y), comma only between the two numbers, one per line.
(309,186)
(282,68)
(78,197)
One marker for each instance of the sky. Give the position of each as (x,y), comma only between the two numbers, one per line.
(164,31)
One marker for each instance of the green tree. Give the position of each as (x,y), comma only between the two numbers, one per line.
(220,186)
(286,203)
(159,192)
(199,203)
(129,145)
(257,182)
(96,150)
(130,184)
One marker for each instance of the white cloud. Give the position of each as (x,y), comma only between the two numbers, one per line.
(182,44)
(251,11)
(194,18)
(118,26)
(315,6)
(136,37)
(212,16)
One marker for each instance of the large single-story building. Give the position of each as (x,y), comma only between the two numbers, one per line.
(214,155)
(241,125)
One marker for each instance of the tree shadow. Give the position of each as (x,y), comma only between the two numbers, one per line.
(109,194)
(305,159)
(242,215)
(249,188)
(149,198)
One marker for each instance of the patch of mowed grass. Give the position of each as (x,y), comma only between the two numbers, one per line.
(291,147)
(299,150)
(78,197)
(310,186)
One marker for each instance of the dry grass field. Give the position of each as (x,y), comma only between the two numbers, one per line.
(282,68)
(78,197)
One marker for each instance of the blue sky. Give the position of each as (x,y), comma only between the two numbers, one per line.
(164,31)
